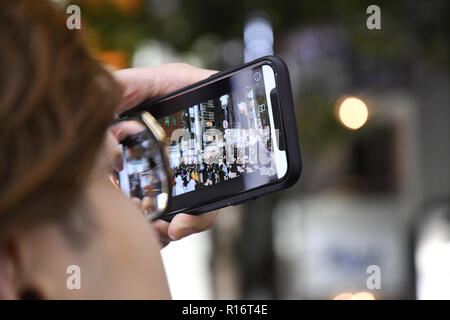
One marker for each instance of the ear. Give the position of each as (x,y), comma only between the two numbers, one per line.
(7,268)
(13,283)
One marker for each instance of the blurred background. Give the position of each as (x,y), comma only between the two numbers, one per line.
(373,115)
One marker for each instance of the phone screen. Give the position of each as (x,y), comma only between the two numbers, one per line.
(226,131)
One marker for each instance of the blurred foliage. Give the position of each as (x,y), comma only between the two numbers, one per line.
(413,33)
(410,29)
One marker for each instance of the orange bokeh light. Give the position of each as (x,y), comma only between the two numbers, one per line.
(353,113)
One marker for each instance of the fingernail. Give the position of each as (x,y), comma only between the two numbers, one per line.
(182,233)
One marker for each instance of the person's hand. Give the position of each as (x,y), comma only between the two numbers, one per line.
(140,84)
(144,83)
(182,225)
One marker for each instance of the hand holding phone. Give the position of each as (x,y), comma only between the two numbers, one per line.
(139,85)
(227,136)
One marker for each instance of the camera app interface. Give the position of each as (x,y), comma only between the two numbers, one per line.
(226,137)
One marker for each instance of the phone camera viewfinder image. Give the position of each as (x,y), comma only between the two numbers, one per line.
(228,135)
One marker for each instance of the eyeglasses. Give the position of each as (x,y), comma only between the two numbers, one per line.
(146,173)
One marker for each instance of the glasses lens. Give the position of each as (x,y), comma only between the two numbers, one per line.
(144,175)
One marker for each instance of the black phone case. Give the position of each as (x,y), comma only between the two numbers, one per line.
(289,125)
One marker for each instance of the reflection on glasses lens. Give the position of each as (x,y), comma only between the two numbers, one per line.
(144,175)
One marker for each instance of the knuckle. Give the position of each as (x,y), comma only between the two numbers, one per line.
(116,154)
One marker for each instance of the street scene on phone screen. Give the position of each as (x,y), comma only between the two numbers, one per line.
(221,139)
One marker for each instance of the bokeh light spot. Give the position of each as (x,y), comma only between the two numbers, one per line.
(353,113)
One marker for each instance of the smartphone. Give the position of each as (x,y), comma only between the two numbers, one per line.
(229,138)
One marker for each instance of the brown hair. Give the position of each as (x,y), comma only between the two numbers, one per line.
(56,102)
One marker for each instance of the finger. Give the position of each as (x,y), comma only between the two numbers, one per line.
(143,83)
(161,227)
(137,202)
(123,129)
(113,151)
(174,76)
(183,224)
(146,203)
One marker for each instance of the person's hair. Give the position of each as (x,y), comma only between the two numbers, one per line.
(56,102)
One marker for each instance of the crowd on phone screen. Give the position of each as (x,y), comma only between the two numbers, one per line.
(190,177)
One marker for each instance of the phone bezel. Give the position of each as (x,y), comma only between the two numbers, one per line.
(230,193)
